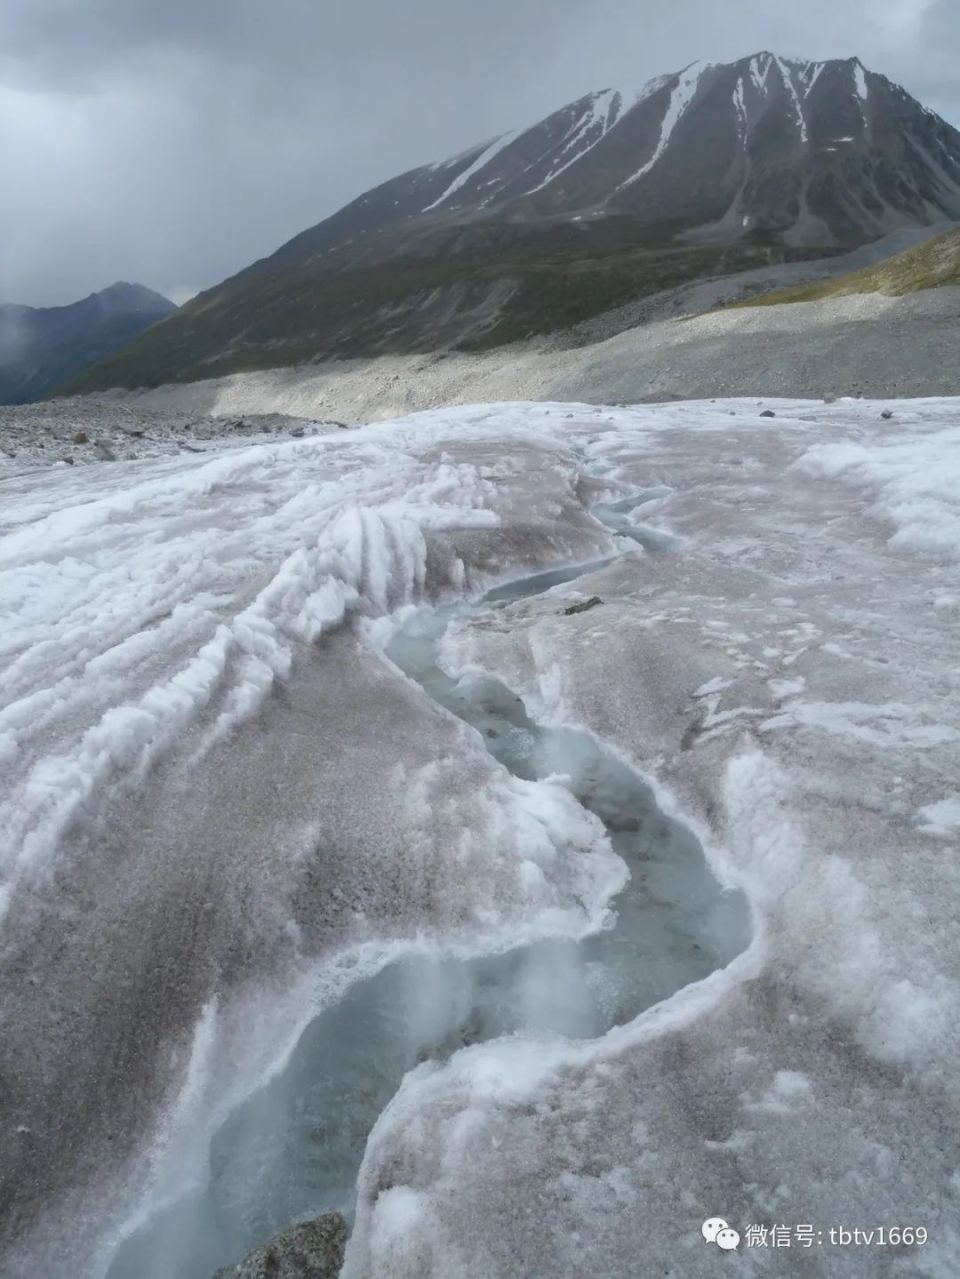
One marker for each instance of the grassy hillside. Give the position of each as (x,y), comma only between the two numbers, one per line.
(928,266)
(468,288)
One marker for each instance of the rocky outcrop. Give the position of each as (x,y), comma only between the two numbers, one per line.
(583,607)
(311,1250)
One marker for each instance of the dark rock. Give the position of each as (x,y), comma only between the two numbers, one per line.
(104,452)
(81,437)
(583,606)
(887,414)
(313,1250)
(691,733)
(768,413)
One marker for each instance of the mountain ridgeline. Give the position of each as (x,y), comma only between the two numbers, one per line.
(40,347)
(708,171)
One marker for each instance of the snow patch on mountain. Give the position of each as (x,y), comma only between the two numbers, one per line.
(603,112)
(680,99)
(740,107)
(755,86)
(791,89)
(862,94)
(812,73)
(492,150)
(760,69)
(860,81)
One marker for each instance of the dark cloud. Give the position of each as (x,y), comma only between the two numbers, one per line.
(173,143)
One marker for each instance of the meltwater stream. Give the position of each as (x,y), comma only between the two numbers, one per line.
(293,1149)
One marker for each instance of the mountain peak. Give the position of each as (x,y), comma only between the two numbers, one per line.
(125,294)
(706,168)
(41,347)
(694,146)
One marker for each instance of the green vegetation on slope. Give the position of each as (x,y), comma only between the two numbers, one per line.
(928,266)
(558,292)
(470,288)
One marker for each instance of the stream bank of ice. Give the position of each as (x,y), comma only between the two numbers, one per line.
(293,1149)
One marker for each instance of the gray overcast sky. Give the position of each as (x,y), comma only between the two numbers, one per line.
(172,142)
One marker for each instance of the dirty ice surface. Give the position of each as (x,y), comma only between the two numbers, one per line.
(223,809)
(295,1147)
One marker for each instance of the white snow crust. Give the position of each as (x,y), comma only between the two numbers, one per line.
(916,483)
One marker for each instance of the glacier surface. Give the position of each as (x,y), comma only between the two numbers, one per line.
(224,809)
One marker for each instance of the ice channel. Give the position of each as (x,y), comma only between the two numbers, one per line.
(293,1149)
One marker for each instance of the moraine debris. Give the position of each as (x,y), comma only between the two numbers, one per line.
(583,606)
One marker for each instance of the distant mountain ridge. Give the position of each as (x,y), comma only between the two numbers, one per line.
(40,347)
(709,170)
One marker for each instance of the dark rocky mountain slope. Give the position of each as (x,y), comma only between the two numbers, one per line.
(40,347)
(708,171)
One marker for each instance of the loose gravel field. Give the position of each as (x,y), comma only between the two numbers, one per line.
(869,345)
